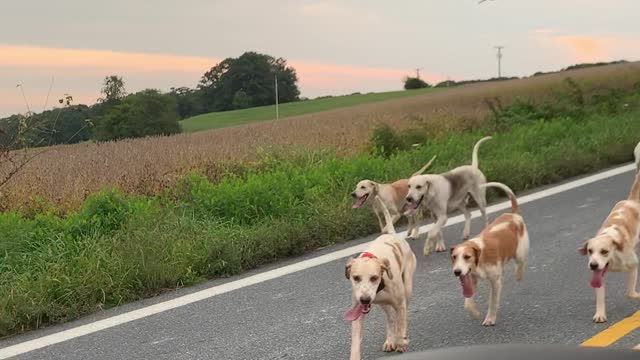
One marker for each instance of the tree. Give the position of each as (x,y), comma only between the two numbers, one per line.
(145,113)
(411,83)
(189,102)
(249,79)
(113,90)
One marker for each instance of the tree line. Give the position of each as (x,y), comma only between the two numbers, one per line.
(234,83)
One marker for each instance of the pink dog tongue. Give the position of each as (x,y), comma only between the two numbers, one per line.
(467,286)
(596,278)
(354,313)
(359,202)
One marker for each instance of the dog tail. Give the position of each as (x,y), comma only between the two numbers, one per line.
(476,147)
(419,172)
(514,202)
(634,194)
(387,216)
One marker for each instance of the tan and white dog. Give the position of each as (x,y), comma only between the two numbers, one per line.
(485,256)
(636,155)
(613,248)
(381,275)
(444,193)
(392,196)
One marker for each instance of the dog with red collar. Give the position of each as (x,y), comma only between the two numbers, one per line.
(382,275)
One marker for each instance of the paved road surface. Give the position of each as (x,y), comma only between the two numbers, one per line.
(298,316)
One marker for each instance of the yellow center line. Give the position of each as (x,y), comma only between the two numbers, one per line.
(615,332)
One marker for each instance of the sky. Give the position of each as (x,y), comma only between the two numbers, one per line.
(336,46)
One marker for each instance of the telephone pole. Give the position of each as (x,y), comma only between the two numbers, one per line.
(277,110)
(499,55)
(418,73)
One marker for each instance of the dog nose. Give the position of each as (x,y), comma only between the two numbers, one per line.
(365,300)
(457,272)
(408,199)
(353,194)
(593,266)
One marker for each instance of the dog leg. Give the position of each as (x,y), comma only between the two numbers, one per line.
(356,338)
(435,231)
(479,196)
(600,315)
(402,341)
(520,265)
(467,222)
(631,280)
(383,227)
(390,319)
(412,231)
(494,301)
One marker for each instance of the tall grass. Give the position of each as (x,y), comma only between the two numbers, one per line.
(120,247)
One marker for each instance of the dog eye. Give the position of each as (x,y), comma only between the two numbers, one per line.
(590,251)
(454,257)
(604,252)
(356,278)
(362,187)
(419,187)
(374,278)
(467,257)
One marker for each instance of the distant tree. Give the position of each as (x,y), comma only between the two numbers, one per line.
(145,113)
(446,83)
(113,89)
(411,83)
(252,74)
(189,101)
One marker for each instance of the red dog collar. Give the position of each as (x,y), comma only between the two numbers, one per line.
(367,254)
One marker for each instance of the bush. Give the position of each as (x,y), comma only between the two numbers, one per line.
(411,83)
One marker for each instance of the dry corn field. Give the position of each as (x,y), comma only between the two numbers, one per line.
(64,175)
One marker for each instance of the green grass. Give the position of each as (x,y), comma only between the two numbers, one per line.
(222,119)
(118,248)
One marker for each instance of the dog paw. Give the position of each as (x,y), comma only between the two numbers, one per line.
(473,311)
(599,318)
(426,251)
(402,345)
(635,295)
(489,321)
(388,346)
(411,238)
(440,248)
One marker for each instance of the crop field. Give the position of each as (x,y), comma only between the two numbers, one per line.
(218,120)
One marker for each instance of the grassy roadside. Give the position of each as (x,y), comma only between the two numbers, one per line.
(118,248)
(222,119)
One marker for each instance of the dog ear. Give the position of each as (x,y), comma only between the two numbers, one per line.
(618,245)
(374,185)
(347,268)
(477,252)
(386,265)
(583,249)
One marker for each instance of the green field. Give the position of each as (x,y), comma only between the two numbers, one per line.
(222,119)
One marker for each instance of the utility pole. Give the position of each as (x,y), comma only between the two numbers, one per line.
(499,55)
(418,73)
(277,110)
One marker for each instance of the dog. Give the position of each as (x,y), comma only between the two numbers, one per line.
(392,196)
(485,255)
(443,193)
(636,155)
(613,248)
(381,275)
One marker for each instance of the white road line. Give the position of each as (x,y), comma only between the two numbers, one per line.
(81,330)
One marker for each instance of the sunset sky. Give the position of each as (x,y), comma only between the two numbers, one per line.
(337,47)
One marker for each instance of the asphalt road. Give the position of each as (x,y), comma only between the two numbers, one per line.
(298,316)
